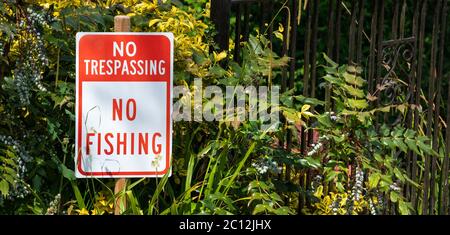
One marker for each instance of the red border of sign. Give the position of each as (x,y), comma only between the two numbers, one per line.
(169,36)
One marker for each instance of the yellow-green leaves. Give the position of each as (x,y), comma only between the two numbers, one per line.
(353,79)
(373,180)
(330,61)
(305,111)
(296,117)
(358,93)
(279,32)
(218,57)
(357,104)
(4,188)
(153,22)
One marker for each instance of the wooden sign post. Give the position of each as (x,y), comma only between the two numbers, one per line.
(121,24)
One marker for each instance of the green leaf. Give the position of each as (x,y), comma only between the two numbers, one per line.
(412,145)
(357,104)
(9,170)
(282,211)
(134,203)
(399,174)
(325,121)
(305,107)
(332,175)
(190,172)
(373,180)
(217,71)
(394,196)
(397,132)
(352,69)
(67,173)
(385,130)
(353,79)
(404,207)
(312,162)
(257,196)
(385,109)
(291,115)
(253,185)
(319,192)
(409,134)
(340,187)
(332,79)
(388,142)
(156,194)
(378,157)
(278,35)
(4,188)
(8,161)
(330,61)
(131,186)
(354,91)
(153,21)
(426,148)
(275,197)
(400,144)
(78,196)
(310,101)
(260,208)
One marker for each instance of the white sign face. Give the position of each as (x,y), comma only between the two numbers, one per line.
(124,104)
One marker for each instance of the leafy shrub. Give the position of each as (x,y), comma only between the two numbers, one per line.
(361,157)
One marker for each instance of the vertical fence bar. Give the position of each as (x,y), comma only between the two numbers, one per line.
(265,15)
(445,166)
(412,87)
(263,12)
(359,39)
(330,47)
(270,7)
(373,43)
(292,54)
(420,52)
(284,72)
(351,41)
(314,48)
(293,43)
(407,160)
(378,66)
(284,50)
(237,34)
(246,21)
(380,37)
(402,20)
(428,196)
(220,16)
(315,26)
(313,66)
(337,36)
(395,19)
(306,67)
(437,103)
(291,83)
(440,79)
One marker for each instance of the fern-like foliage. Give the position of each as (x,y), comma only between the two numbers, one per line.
(352,138)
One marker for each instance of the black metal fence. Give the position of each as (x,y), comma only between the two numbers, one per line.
(401,38)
